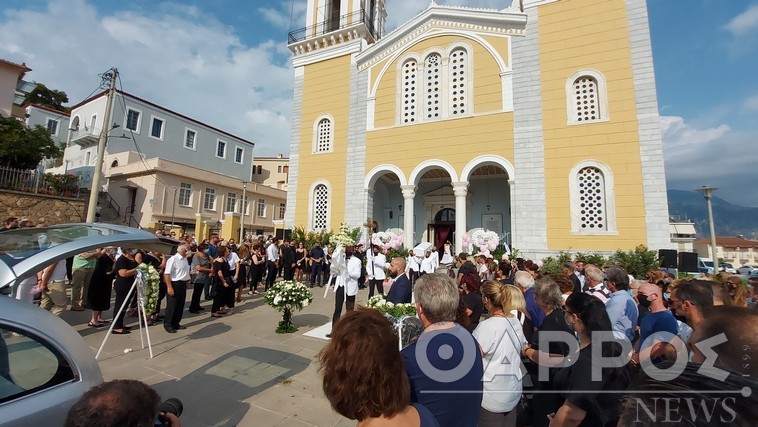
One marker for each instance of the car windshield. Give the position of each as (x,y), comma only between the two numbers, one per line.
(708,263)
(20,244)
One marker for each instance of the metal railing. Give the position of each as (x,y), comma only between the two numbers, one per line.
(32,181)
(109,199)
(333,24)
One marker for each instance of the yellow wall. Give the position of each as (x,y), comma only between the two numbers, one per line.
(571,39)
(487,89)
(326,90)
(455,141)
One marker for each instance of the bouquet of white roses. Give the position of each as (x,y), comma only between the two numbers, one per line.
(402,316)
(285,296)
(342,238)
(378,302)
(151,281)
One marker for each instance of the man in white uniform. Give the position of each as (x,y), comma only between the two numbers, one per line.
(375,266)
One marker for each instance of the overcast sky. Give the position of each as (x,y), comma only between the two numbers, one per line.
(225,62)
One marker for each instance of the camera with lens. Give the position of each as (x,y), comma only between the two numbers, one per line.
(170,406)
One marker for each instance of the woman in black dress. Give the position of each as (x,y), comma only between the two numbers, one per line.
(221,281)
(125,269)
(256,269)
(300,263)
(100,287)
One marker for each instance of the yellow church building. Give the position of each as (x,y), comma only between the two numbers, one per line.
(538,121)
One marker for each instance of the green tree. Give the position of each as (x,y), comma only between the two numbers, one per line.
(43,95)
(637,262)
(22,147)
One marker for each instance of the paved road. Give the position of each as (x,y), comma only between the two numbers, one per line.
(232,371)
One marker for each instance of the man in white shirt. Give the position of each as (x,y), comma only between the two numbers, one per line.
(427,264)
(375,266)
(413,266)
(176,277)
(272,262)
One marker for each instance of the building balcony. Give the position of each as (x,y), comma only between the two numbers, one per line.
(85,137)
(332,25)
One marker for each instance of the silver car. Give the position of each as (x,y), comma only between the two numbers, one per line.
(747,269)
(45,365)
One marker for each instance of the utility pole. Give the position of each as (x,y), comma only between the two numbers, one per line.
(98,173)
(707,191)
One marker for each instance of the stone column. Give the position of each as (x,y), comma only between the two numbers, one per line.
(409,194)
(460,189)
(369,214)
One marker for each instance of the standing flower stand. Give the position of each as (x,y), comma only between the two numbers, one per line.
(286,296)
(285,325)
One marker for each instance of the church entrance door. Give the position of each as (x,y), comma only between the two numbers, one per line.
(443,228)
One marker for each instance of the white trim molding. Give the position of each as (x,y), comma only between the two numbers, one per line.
(153,118)
(314,143)
(139,119)
(432,164)
(311,203)
(601,97)
(609,199)
(381,170)
(488,159)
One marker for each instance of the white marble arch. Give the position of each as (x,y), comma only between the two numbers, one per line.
(485,160)
(380,170)
(430,164)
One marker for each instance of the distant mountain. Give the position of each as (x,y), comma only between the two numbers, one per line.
(730,219)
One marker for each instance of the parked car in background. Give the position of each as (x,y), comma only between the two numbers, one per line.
(45,365)
(747,269)
(705,266)
(729,268)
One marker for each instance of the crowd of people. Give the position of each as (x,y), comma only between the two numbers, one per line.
(503,343)
(513,346)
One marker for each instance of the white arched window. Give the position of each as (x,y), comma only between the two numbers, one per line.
(432,86)
(323,135)
(409,91)
(319,206)
(586,99)
(458,90)
(435,88)
(593,208)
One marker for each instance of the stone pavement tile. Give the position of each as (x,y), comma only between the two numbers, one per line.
(298,404)
(235,370)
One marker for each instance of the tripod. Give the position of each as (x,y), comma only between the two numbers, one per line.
(139,284)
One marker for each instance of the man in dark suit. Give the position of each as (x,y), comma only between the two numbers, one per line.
(401,289)
(288,260)
(568,270)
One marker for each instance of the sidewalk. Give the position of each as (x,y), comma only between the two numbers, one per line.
(231,371)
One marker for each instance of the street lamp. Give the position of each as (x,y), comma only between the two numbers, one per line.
(242,210)
(707,191)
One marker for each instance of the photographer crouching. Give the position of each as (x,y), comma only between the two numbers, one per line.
(124,403)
